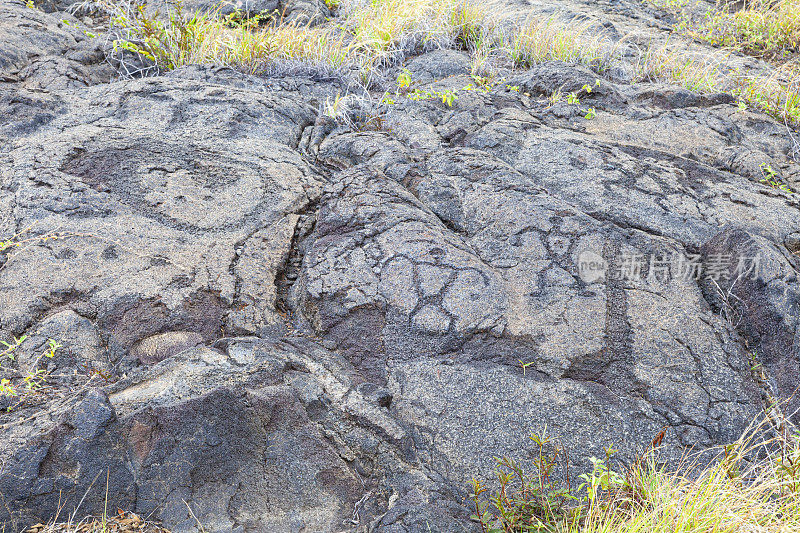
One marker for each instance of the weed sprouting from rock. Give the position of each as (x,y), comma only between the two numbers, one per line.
(23,383)
(752,484)
(366,37)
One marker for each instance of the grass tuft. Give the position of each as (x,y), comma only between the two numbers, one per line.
(752,485)
(122,522)
(209,37)
(547,40)
(388,30)
(367,36)
(766,28)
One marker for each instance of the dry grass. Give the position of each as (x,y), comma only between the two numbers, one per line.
(773,95)
(365,36)
(695,72)
(369,35)
(202,38)
(769,29)
(760,27)
(573,43)
(388,30)
(777,94)
(753,485)
(712,498)
(766,28)
(122,522)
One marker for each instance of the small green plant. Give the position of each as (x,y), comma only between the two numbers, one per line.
(23,384)
(572,98)
(525,365)
(767,169)
(11,347)
(34,380)
(404,79)
(448,96)
(590,88)
(483,83)
(772,179)
(7,388)
(5,245)
(601,478)
(590,114)
(52,348)
(525,501)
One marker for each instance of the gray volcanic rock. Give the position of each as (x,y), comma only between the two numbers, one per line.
(41,57)
(438,64)
(46,52)
(266,436)
(761,298)
(501,292)
(164,345)
(142,189)
(311,12)
(275,323)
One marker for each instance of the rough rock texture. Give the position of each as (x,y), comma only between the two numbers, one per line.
(438,64)
(48,53)
(166,210)
(262,436)
(275,323)
(765,308)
